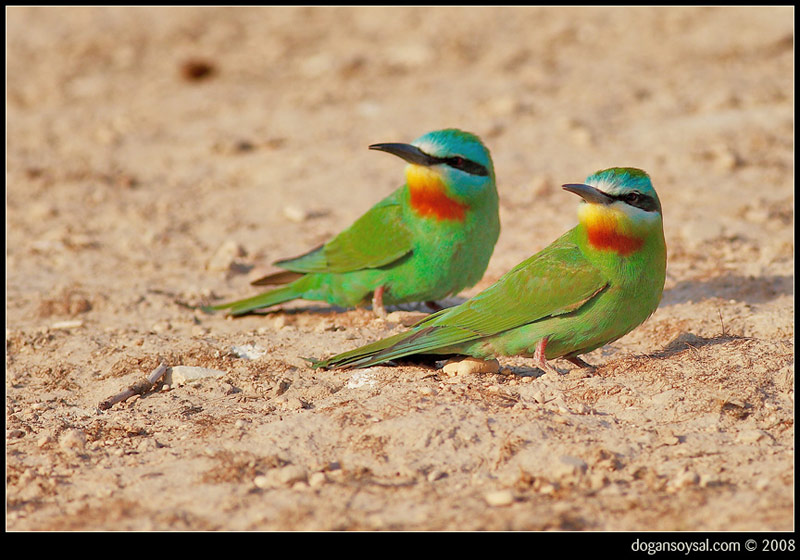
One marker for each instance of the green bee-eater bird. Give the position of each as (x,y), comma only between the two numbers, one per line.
(429,239)
(594,284)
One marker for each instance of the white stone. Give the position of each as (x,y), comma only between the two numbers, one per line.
(179,375)
(499,498)
(467,366)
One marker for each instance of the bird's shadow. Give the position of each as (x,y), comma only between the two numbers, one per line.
(303,307)
(527,371)
(686,341)
(750,289)
(435,362)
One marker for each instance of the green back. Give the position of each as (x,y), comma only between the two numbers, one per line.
(376,239)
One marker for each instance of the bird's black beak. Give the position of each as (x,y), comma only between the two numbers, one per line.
(410,153)
(588,193)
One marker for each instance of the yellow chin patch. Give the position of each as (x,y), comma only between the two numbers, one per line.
(419,176)
(609,229)
(429,197)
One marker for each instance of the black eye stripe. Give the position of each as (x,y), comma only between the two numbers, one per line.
(643,201)
(464,164)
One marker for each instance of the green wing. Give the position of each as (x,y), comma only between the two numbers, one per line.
(555,281)
(376,239)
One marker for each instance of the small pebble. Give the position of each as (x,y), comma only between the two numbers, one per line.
(547,488)
(499,498)
(294,403)
(290,475)
(435,475)
(597,480)
(262,481)
(317,479)
(405,318)
(707,480)
(295,214)
(683,480)
(196,69)
(65,325)
(161,326)
(73,440)
(248,351)
(568,466)
(761,484)
(225,256)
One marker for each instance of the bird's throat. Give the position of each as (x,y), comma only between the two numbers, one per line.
(609,230)
(429,198)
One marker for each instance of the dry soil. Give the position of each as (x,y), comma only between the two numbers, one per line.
(166,155)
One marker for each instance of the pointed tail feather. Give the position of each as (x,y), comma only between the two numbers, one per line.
(267,299)
(349,359)
(425,340)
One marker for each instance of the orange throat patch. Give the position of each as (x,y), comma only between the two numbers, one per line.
(429,199)
(612,240)
(605,231)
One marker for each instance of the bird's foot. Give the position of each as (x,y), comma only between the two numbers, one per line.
(588,368)
(547,368)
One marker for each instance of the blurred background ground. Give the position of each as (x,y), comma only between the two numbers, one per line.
(163,154)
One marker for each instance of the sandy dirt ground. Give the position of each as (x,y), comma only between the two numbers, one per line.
(159,156)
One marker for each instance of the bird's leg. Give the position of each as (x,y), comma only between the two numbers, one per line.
(377,302)
(433,306)
(580,363)
(540,359)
